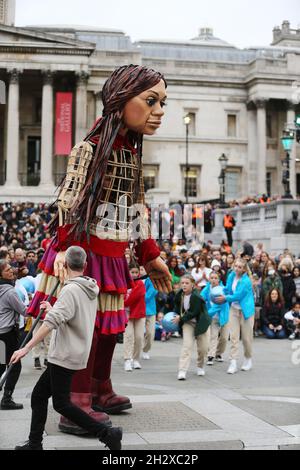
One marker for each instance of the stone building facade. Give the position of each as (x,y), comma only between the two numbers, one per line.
(239,102)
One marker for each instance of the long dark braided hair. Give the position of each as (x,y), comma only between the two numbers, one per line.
(124,83)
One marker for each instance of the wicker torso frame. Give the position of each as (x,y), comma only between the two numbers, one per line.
(113,220)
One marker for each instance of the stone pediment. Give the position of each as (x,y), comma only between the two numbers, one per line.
(19,39)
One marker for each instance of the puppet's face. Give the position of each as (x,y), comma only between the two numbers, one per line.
(143,113)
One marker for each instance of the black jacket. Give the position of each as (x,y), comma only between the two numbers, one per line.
(274,315)
(289,290)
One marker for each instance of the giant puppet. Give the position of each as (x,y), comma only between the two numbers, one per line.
(104,181)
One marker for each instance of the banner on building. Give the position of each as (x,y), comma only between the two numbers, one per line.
(63,123)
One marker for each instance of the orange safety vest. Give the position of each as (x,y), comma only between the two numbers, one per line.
(227,248)
(228,221)
(197,213)
(263,202)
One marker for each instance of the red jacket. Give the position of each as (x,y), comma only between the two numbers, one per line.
(135,301)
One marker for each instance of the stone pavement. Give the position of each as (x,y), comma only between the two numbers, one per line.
(259,409)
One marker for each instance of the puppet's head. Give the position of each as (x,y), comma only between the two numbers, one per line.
(133,99)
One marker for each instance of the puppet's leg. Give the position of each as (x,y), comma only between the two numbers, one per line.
(104,398)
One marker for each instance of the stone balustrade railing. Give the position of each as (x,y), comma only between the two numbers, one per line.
(260,223)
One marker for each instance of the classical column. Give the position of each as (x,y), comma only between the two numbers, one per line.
(81,106)
(261,146)
(99,104)
(13,134)
(252,167)
(291,116)
(47,131)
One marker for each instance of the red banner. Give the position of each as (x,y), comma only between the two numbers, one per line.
(63,123)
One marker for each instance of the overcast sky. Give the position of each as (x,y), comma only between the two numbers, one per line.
(243,23)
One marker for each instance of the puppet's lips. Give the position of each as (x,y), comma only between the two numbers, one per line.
(154,123)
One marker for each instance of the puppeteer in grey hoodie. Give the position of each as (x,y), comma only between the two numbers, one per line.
(73,319)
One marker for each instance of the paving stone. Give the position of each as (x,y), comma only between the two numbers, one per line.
(275,413)
(154,417)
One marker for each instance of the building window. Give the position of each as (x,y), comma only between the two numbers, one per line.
(192,124)
(231,125)
(191,178)
(2,11)
(269,126)
(150,177)
(232,184)
(32,175)
(38,110)
(269,183)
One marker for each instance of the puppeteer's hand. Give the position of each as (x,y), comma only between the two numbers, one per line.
(220,300)
(46,306)
(159,274)
(59,266)
(176,319)
(17,355)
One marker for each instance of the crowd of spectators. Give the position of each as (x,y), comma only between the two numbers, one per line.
(268,273)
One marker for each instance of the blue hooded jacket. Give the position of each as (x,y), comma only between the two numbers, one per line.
(150,297)
(215,309)
(243,294)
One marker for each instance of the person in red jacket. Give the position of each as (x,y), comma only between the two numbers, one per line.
(135,304)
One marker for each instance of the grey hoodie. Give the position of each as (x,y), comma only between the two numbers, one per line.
(11,308)
(73,319)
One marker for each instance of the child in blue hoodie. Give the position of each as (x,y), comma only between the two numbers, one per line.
(150,299)
(219,329)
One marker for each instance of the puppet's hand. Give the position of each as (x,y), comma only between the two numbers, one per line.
(59,266)
(159,274)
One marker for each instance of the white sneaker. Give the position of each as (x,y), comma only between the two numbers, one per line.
(128,365)
(200,372)
(176,335)
(292,336)
(136,365)
(146,356)
(181,375)
(247,364)
(232,369)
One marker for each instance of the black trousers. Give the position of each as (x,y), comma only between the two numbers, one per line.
(56,382)
(9,343)
(229,235)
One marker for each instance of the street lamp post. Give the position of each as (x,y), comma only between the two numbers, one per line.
(287,143)
(187,121)
(223,160)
